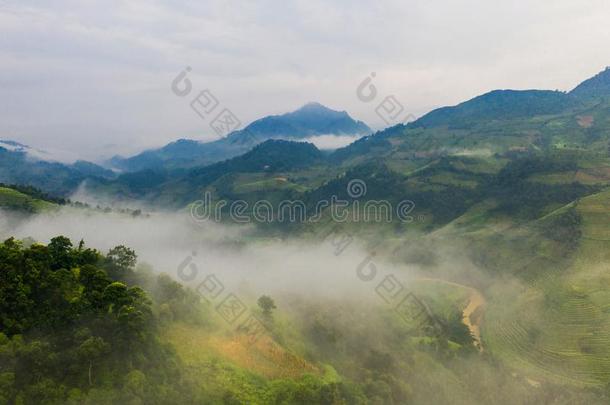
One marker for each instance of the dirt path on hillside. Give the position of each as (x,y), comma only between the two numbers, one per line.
(472,315)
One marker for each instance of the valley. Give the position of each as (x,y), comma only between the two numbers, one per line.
(488,283)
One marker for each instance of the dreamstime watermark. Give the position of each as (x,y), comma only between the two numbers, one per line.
(390,110)
(340,210)
(235,312)
(388,287)
(226,303)
(205,104)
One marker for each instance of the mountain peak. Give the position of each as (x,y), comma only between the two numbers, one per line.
(316,109)
(314,106)
(596,87)
(310,120)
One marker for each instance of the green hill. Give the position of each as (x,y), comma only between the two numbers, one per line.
(557,325)
(497,105)
(13,200)
(507,247)
(310,120)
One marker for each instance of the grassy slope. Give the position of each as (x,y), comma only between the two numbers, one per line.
(550,321)
(14,200)
(229,366)
(414,373)
(558,325)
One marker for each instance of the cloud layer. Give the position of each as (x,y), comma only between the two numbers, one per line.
(94,77)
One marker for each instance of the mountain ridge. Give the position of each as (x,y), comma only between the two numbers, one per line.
(597,86)
(503,104)
(546,120)
(312,119)
(18,166)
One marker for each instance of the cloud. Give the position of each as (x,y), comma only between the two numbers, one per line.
(165,240)
(86,75)
(332,141)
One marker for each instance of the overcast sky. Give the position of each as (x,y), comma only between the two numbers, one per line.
(93,78)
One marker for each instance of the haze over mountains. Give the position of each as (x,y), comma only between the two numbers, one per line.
(505,237)
(476,123)
(510,104)
(311,120)
(304,202)
(21,164)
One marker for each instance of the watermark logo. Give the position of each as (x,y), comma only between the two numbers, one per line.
(181,85)
(225,123)
(356,188)
(406,304)
(206,105)
(390,110)
(297,211)
(226,303)
(366,91)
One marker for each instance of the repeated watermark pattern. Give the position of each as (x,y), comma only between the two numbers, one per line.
(206,105)
(390,110)
(388,287)
(226,303)
(224,122)
(263,211)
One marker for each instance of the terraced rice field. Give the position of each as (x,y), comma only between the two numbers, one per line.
(558,326)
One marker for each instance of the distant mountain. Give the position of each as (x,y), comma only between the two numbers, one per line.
(181,185)
(501,121)
(498,105)
(313,119)
(310,120)
(182,153)
(19,147)
(594,88)
(20,164)
(270,156)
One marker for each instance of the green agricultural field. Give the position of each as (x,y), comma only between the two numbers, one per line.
(265,184)
(14,200)
(556,327)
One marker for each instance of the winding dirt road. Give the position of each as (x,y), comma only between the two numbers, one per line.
(472,315)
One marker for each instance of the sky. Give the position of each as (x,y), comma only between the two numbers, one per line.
(90,79)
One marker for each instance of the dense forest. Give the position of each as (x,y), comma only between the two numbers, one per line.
(76,328)
(73,329)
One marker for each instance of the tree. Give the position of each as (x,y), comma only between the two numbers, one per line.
(64,322)
(7,383)
(94,282)
(267,304)
(92,349)
(135,386)
(123,257)
(60,249)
